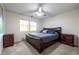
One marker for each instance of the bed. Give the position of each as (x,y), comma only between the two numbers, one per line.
(41,40)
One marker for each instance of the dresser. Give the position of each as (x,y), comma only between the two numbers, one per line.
(8,40)
(67,39)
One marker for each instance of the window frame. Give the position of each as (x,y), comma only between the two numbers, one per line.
(28,26)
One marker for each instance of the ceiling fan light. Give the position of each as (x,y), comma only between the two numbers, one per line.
(39,13)
(40,9)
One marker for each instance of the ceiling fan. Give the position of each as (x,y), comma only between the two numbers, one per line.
(40,12)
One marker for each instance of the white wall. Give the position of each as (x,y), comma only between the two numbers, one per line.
(69,22)
(12,24)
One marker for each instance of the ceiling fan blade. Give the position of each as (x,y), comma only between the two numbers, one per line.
(32,11)
(47,13)
(39,5)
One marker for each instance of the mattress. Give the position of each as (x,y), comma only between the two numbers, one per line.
(45,37)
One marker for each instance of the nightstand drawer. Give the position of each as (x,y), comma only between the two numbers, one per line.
(67,39)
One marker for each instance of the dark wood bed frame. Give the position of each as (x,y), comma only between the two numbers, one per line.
(39,44)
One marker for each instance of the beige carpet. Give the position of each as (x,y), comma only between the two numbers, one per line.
(24,48)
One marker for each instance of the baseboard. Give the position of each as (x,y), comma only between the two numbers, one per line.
(18,41)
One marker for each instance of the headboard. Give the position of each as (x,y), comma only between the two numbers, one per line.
(58,29)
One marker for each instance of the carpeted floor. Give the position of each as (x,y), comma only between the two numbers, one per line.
(24,48)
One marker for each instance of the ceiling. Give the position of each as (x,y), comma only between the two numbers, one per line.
(50,9)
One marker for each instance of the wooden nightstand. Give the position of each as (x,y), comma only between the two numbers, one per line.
(8,40)
(67,39)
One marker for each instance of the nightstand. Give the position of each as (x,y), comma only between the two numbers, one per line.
(67,39)
(8,40)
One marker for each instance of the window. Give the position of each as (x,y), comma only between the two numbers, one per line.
(27,25)
(33,26)
(24,25)
(1,28)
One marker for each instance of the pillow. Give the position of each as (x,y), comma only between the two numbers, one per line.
(44,31)
(51,32)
